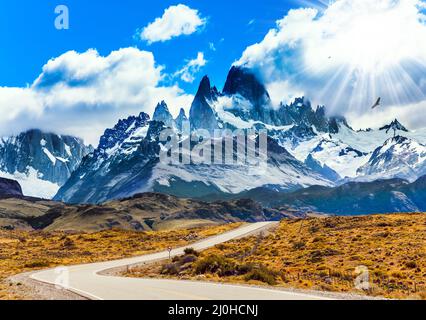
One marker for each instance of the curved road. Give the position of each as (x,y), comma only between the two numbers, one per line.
(87,280)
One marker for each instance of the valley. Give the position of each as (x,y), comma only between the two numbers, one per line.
(334,254)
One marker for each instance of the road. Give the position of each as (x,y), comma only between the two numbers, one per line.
(87,280)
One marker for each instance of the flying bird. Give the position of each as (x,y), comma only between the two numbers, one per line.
(377,104)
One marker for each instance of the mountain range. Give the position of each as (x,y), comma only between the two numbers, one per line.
(352,198)
(41,162)
(307,148)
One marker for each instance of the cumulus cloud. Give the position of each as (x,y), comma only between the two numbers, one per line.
(83,93)
(176,21)
(347,55)
(188,72)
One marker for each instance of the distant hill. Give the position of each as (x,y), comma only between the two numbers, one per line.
(9,187)
(352,198)
(149,211)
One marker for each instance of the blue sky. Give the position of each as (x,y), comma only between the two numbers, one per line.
(29,38)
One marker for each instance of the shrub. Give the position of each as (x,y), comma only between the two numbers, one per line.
(69,243)
(187,259)
(37,264)
(262,274)
(245,268)
(191,251)
(315,256)
(411,264)
(314,229)
(299,245)
(170,269)
(217,265)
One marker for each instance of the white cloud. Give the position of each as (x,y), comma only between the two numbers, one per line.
(188,72)
(347,55)
(84,93)
(176,21)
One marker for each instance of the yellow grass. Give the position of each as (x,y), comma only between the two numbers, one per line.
(27,251)
(324,254)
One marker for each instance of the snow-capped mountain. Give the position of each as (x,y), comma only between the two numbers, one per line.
(41,162)
(130,164)
(398,157)
(330,152)
(306,147)
(162,114)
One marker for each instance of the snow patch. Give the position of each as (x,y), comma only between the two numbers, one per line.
(51,157)
(32,184)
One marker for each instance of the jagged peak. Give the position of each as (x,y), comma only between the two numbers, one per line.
(182,114)
(163,114)
(243,81)
(144,116)
(121,130)
(300,103)
(394,125)
(205,89)
(162,104)
(161,108)
(181,119)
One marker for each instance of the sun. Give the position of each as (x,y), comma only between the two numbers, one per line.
(366,49)
(371,37)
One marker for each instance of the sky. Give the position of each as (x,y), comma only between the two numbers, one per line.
(119,58)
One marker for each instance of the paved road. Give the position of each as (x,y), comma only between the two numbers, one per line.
(87,281)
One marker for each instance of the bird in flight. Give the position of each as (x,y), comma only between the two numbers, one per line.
(377,104)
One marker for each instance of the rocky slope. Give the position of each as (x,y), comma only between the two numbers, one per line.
(9,188)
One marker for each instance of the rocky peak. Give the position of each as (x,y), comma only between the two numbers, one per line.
(202,116)
(205,91)
(163,114)
(181,118)
(121,131)
(242,81)
(394,126)
(300,112)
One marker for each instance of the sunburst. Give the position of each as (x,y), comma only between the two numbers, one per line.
(372,49)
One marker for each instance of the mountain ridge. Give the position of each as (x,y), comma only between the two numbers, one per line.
(305,148)
(41,161)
